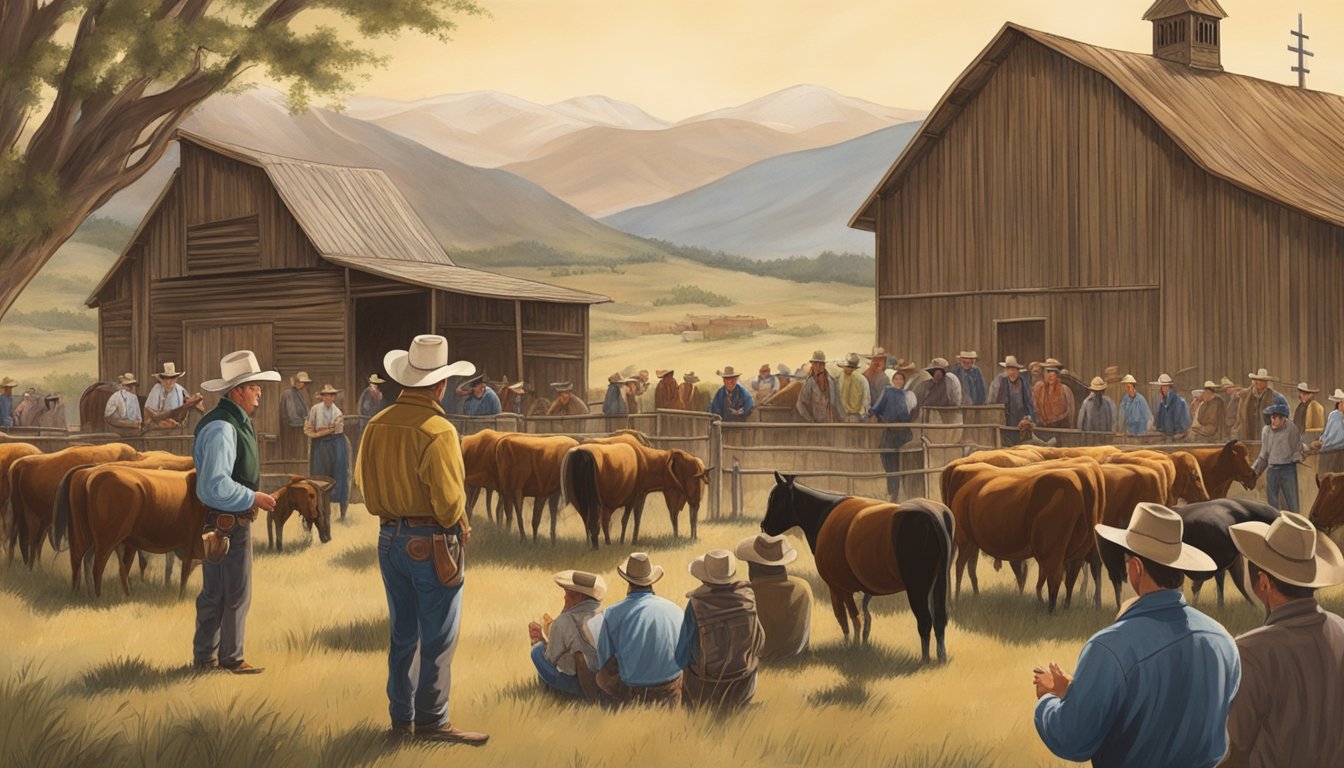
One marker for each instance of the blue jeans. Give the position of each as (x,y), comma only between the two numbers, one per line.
(1281,492)
(425,616)
(553,677)
(226,594)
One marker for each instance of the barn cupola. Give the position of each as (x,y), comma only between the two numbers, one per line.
(1186,32)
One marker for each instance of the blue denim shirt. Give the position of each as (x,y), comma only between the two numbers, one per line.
(1332,439)
(972,384)
(1151,690)
(739,400)
(214,452)
(485,405)
(6,411)
(1173,415)
(1134,414)
(641,631)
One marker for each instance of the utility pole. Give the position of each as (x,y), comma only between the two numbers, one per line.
(1301,51)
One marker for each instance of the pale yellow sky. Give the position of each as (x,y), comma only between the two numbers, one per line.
(676,58)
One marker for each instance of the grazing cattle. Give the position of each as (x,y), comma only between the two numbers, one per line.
(9,453)
(529,467)
(1220,467)
(303,495)
(33,484)
(1327,512)
(874,547)
(680,477)
(150,510)
(597,479)
(1206,528)
(1126,486)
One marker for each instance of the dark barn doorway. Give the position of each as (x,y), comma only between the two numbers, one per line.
(382,324)
(1023,337)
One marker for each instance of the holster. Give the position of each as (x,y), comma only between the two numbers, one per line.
(446,552)
(216,545)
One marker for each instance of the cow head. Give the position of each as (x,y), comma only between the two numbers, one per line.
(1234,454)
(779,513)
(307,496)
(1328,511)
(1189,477)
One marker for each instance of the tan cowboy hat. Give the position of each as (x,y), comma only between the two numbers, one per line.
(1208,384)
(169,372)
(474,381)
(1305,387)
(691,378)
(818,356)
(125,380)
(971,355)
(1155,533)
(327,389)
(851,360)
(562,386)
(375,379)
(661,372)
(53,396)
(1225,383)
(1051,364)
(717,566)
(877,352)
(1261,375)
(425,363)
(583,582)
(237,368)
(1291,550)
(517,387)
(1098,384)
(906,365)
(1011,362)
(303,377)
(784,370)
(639,571)
(8,382)
(764,549)
(938,364)
(1164,380)
(1338,397)
(614,378)
(1129,379)
(727,373)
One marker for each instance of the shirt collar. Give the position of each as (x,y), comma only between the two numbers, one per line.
(1295,609)
(1153,602)
(422,398)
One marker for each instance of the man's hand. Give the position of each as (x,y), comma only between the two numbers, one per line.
(1052,680)
(466,536)
(1315,445)
(264,500)
(534,632)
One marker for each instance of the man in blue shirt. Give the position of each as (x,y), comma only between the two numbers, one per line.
(636,651)
(1331,442)
(972,380)
(480,399)
(228,472)
(731,402)
(7,386)
(1173,413)
(1135,415)
(1154,688)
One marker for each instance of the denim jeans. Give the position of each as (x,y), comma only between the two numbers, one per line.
(425,616)
(1281,492)
(553,677)
(226,594)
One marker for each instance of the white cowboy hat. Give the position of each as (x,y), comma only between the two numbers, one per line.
(562,386)
(764,549)
(8,382)
(518,387)
(1305,387)
(1155,533)
(1129,379)
(583,582)
(1098,384)
(1338,397)
(1164,380)
(327,389)
(376,379)
(1292,550)
(971,355)
(1051,364)
(639,571)
(125,380)
(784,370)
(1011,362)
(1208,384)
(1261,375)
(877,352)
(1226,382)
(169,372)
(661,372)
(425,363)
(717,566)
(237,368)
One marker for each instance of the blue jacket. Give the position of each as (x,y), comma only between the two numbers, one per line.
(641,631)
(1000,393)
(6,411)
(740,400)
(1173,415)
(972,384)
(614,403)
(1134,414)
(485,405)
(1151,690)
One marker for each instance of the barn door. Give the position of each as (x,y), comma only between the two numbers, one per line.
(207,343)
(1023,337)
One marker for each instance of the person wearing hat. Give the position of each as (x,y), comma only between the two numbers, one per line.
(1011,390)
(228,474)
(1097,413)
(1054,401)
(1258,397)
(732,402)
(1280,452)
(53,415)
(566,404)
(636,648)
(1208,423)
(1154,688)
(167,404)
(691,396)
(721,637)
(895,406)
(123,407)
(28,409)
(1026,435)
(939,390)
(667,395)
(1286,711)
(7,386)
(371,399)
(423,531)
(1173,413)
(819,400)
(854,398)
(1330,446)
(511,396)
(783,602)
(615,403)
(1233,396)
(573,632)
(914,375)
(1135,416)
(329,455)
(876,373)
(765,385)
(1309,416)
(480,399)
(294,406)
(971,379)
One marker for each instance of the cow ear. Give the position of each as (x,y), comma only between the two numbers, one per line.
(295,479)
(1228,445)
(779,479)
(790,478)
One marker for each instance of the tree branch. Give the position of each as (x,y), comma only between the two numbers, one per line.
(280,12)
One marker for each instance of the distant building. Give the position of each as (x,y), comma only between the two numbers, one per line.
(1104,207)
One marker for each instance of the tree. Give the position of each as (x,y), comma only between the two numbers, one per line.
(108,82)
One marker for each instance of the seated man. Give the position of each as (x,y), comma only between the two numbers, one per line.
(720,635)
(636,649)
(572,632)
(783,602)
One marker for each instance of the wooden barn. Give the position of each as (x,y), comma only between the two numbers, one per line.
(318,268)
(1104,207)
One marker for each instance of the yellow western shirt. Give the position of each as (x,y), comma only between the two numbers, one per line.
(410,462)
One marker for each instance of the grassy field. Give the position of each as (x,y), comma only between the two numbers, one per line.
(106,683)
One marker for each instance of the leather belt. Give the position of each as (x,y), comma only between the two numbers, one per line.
(392,521)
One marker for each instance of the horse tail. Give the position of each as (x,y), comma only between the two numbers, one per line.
(60,516)
(580,489)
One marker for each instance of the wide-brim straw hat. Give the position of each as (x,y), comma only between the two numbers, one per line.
(818,356)
(639,571)
(717,566)
(764,549)
(938,364)
(877,352)
(327,389)
(125,380)
(1129,379)
(562,386)
(1098,384)
(1155,533)
(1303,386)
(1261,375)
(661,372)
(851,361)
(237,368)
(1208,384)
(691,378)
(1011,362)
(583,582)
(971,355)
(1338,397)
(1226,382)
(1164,380)
(1051,364)
(1291,550)
(425,363)
(8,382)
(303,377)
(376,379)
(728,373)
(169,372)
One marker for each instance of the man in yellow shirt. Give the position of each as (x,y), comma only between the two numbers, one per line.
(410,470)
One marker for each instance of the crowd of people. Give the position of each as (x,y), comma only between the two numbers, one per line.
(33,409)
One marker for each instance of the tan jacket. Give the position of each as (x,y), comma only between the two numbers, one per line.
(668,395)
(1310,419)
(1252,418)
(410,462)
(784,606)
(1210,421)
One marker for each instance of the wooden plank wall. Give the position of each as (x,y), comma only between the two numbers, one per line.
(555,344)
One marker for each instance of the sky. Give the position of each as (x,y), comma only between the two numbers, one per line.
(677,58)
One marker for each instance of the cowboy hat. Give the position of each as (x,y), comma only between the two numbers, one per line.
(1338,397)
(1129,379)
(474,381)
(877,352)
(1154,532)
(906,365)
(517,387)
(1277,409)
(728,372)
(661,372)
(717,566)
(1010,362)
(818,356)
(302,376)
(425,363)
(8,382)
(125,379)
(938,364)
(1305,387)
(1291,550)
(237,368)
(1051,364)
(1208,384)
(53,396)
(1098,384)
(1226,382)
(971,355)
(764,549)
(639,571)
(1261,375)
(169,372)
(375,379)
(1164,380)
(327,389)
(784,370)
(851,360)
(583,582)
(562,386)
(690,378)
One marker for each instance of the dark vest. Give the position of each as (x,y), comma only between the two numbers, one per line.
(247,465)
(726,619)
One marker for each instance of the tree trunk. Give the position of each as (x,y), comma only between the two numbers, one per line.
(21,263)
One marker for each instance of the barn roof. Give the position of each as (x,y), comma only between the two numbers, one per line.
(1165,8)
(357,218)
(1282,143)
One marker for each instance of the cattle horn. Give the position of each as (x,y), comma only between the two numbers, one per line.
(707,470)
(1230,443)
(779,479)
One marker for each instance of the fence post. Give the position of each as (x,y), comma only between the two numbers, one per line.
(716,459)
(735,486)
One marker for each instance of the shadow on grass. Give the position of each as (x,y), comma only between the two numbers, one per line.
(564,553)
(361,558)
(130,673)
(46,588)
(850,693)
(1020,619)
(856,662)
(297,541)
(369,635)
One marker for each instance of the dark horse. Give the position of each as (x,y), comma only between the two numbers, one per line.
(873,547)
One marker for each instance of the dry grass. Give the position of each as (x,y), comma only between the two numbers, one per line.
(107,682)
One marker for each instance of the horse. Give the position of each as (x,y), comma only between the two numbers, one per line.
(1206,525)
(874,547)
(303,495)
(1327,512)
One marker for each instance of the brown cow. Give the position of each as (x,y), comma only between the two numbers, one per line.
(482,473)
(9,453)
(1221,466)
(682,479)
(597,479)
(1327,512)
(1126,486)
(33,484)
(529,467)
(303,495)
(151,510)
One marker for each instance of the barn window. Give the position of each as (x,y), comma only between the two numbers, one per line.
(224,246)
